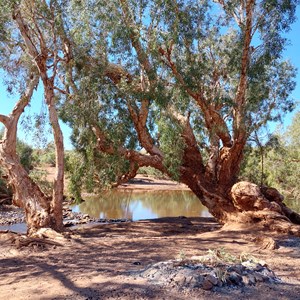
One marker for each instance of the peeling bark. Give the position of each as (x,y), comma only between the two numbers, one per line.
(37,48)
(26,193)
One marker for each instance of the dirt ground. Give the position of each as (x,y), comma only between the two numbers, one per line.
(99,262)
(148,183)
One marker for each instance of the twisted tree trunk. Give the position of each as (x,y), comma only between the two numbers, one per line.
(245,203)
(27,194)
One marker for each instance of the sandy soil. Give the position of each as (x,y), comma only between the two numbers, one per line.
(99,262)
(96,263)
(142,182)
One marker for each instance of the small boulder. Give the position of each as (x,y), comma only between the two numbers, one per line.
(212,279)
(235,278)
(207,284)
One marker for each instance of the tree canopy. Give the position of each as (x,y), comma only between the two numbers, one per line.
(181,79)
(175,85)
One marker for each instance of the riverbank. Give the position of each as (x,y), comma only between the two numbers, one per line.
(149,183)
(11,215)
(120,260)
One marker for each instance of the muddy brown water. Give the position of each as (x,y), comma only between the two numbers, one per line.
(142,205)
(139,205)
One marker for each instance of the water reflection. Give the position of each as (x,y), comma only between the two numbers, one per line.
(19,227)
(143,205)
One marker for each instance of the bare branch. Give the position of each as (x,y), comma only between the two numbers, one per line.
(26,97)
(141,159)
(139,118)
(178,76)
(4,120)
(60,90)
(11,121)
(24,31)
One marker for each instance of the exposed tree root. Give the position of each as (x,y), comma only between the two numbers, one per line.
(6,200)
(21,242)
(266,242)
(263,207)
(262,221)
(42,239)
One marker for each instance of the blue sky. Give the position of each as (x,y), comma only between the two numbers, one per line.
(37,105)
(293,54)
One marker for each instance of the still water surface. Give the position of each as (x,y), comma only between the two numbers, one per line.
(142,205)
(139,205)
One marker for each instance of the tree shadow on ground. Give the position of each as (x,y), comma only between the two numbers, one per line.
(97,263)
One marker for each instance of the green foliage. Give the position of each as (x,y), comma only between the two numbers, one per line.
(45,156)
(165,52)
(251,165)
(281,161)
(91,171)
(76,172)
(25,153)
(39,176)
(149,171)
(283,164)
(203,46)
(172,144)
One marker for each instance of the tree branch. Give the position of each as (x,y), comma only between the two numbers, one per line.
(141,159)
(24,31)
(4,120)
(214,122)
(134,36)
(239,124)
(192,157)
(139,119)
(11,121)
(25,98)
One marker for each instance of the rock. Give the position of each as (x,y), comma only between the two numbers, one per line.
(235,278)
(207,285)
(150,273)
(187,276)
(258,277)
(267,273)
(180,279)
(252,280)
(245,280)
(212,279)
(249,264)
(260,266)
(193,282)
(237,268)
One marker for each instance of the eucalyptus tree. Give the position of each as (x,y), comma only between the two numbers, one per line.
(188,81)
(33,50)
(282,162)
